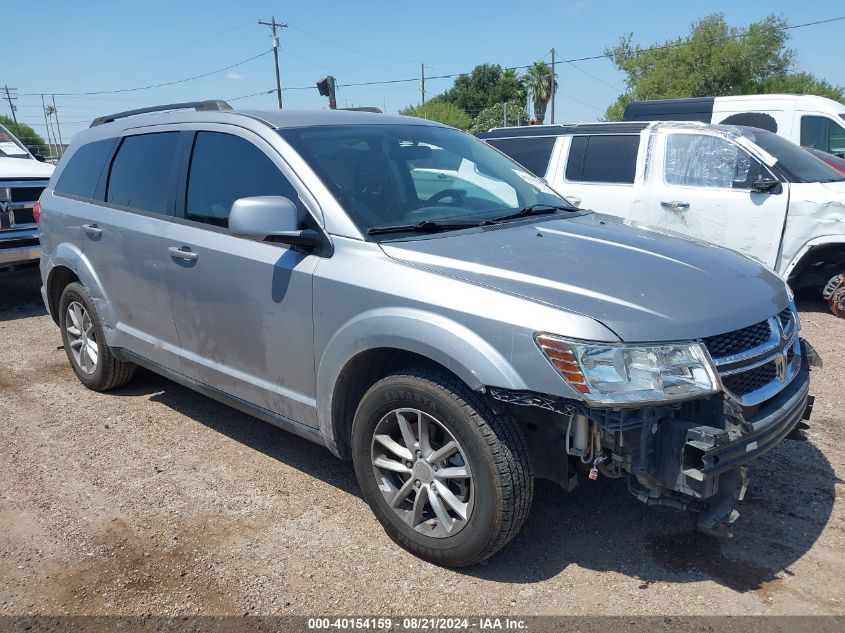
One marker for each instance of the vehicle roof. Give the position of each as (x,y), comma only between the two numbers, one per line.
(823,102)
(621,127)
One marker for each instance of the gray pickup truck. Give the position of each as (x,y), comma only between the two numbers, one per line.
(22,179)
(313,270)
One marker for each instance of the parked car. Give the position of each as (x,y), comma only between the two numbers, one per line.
(454,345)
(805,120)
(744,188)
(834,161)
(23,176)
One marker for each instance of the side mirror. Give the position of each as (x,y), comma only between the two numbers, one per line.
(36,154)
(767,185)
(270,218)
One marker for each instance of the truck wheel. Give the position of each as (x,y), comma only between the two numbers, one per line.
(449,479)
(84,342)
(834,294)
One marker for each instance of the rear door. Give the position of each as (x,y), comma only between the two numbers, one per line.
(598,172)
(700,185)
(243,308)
(124,237)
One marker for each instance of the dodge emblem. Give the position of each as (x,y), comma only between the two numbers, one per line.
(7,215)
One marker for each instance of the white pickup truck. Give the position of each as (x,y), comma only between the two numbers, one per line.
(23,176)
(743,188)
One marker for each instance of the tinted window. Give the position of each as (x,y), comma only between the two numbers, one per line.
(225,168)
(82,173)
(531,153)
(606,158)
(822,133)
(798,165)
(142,172)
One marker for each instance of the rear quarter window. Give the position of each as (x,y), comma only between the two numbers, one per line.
(82,173)
(531,153)
(603,158)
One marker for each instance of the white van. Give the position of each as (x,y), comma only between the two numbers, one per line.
(738,187)
(806,120)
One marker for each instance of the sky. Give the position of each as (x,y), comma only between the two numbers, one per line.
(97,45)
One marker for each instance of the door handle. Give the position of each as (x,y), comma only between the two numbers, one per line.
(183,252)
(575,201)
(675,205)
(92,230)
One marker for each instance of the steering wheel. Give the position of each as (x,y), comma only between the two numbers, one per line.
(455,194)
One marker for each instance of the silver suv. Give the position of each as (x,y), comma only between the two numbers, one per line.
(409,297)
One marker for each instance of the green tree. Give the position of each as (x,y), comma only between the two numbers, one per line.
(439,110)
(485,85)
(715,59)
(538,81)
(25,133)
(494,116)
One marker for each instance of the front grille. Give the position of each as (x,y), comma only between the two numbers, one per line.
(26,194)
(24,216)
(786,322)
(739,341)
(751,380)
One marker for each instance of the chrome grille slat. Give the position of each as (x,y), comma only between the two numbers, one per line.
(758,361)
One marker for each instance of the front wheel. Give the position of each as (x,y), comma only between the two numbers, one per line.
(448,478)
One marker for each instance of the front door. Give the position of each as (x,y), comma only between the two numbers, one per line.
(242,308)
(700,185)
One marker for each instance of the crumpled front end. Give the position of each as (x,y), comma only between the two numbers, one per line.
(693,454)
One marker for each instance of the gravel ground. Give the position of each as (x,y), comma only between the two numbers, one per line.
(155,500)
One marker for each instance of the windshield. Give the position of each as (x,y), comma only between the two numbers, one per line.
(395,175)
(10,147)
(799,165)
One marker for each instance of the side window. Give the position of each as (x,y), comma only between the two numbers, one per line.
(697,160)
(531,153)
(604,158)
(82,174)
(224,168)
(142,172)
(815,132)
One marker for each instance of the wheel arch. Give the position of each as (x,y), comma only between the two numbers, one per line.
(68,264)
(821,249)
(374,344)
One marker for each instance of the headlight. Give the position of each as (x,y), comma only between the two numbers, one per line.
(610,373)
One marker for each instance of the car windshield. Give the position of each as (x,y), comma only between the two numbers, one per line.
(394,175)
(10,147)
(799,165)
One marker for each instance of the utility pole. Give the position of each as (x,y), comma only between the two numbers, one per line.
(276,25)
(50,142)
(422,83)
(12,108)
(58,127)
(554,86)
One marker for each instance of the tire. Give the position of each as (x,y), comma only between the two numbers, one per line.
(107,372)
(491,452)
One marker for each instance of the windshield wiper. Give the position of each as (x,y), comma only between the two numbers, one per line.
(426,226)
(534,209)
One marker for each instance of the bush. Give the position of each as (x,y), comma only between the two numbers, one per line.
(441,111)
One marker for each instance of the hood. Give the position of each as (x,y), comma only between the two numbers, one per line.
(643,285)
(24,168)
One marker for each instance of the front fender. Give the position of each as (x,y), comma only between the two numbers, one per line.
(444,341)
(795,260)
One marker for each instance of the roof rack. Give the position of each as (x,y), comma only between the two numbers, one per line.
(213,105)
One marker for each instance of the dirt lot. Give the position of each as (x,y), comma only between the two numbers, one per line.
(153,499)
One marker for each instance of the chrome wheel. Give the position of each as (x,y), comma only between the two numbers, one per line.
(81,338)
(422,472)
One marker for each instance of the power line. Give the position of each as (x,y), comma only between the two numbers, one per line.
(160,85)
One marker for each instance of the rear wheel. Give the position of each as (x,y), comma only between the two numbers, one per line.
(85,344)
(447,477)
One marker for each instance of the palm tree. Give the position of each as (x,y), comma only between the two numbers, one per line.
(538,81)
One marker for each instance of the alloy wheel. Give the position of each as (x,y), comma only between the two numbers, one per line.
(81,337)
(422,472)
